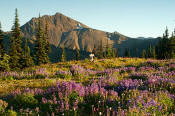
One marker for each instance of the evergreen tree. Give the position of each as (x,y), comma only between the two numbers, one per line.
(94,51)
(116,52)
(166,46)
(109,51)
(27,59)
(171,46)
(144,53)
(41,55)
(63,56)
(46,39)
(4,62)
(127,53)
(150,51)
(100,50)
(154,53)
(113,53)
(1,42)
(77,55)
(16,45)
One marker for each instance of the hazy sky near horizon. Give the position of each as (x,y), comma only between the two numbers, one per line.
(133,18)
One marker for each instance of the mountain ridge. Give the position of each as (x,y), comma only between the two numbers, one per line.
(72,34)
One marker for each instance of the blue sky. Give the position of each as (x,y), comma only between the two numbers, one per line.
(132,18)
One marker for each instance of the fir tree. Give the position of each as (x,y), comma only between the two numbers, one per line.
(154,53)
(77,55)
(100,50)
(171,46)
(109,51)
(16,45)
(164,46)
(46,39)
(113,53)
(116,52)
(166,35)
(1,42)
(4,62)
(144,53)
(63,56)
(94,51)
(127,53)
(41,56)
(27,59)
(150,51)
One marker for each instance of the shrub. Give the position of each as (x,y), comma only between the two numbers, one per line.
(25,101)
(4,63)
(11,113)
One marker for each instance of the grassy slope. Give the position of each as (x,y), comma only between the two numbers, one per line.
(7,86)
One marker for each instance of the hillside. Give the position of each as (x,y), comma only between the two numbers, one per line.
(64,31)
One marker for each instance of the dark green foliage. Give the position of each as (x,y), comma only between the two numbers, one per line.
(116,52)
(100,50)
(27,59)
(46,39)
(16,53)
(150,51)
(41,56)
(126,53)
(113,53)
(1,41)
(154,53)
(165,49)
(144,55)
(4,62)
(77,55)
(108,51)
(63,55)
(94,51)
(25,101)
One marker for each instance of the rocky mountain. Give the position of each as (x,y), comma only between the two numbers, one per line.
(64,31)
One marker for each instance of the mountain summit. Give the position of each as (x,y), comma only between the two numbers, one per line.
(67,32)
(64,31)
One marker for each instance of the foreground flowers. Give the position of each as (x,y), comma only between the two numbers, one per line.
(146,89)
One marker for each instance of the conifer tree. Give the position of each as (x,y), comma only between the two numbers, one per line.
(144,53)
(63,56)
(100,50)
(45,44)
(162,48)
(27,60)
(154,53)
(1,42)
(116,52)
(94,51)
(41,56)
(46,39)
(109,51)
(16,45)
(150,51)
(171,46)
(77,55)
(113,53)
(4,62)
(127,53)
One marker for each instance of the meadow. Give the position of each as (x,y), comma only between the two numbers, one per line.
(106,87)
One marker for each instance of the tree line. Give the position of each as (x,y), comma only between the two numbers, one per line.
(164,49)
(19,55)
